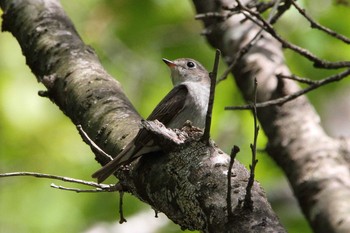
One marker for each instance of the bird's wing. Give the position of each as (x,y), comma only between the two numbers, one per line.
(170,106)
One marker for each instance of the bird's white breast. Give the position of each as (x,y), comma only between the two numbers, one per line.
(196,105)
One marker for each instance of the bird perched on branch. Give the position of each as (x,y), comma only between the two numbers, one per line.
(188,100)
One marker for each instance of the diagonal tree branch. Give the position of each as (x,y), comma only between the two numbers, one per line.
(70,70)
(314,163)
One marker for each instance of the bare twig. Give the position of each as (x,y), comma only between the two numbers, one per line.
(296,78)
(219,15)
(248,203)
(234,151)
(212,75)
(273,17)
(92,144)
(264,24)
(261,7)
(99,187)
(316,25)
(121,212)
(77,190)
(284,99)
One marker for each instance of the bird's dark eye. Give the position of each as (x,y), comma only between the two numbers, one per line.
(190,64)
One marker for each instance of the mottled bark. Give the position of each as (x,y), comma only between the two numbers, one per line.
(188,184)
(70,70)
(316,165)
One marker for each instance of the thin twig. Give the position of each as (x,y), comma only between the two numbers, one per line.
(99,187)
(296,78)
(284,99)
(121,212)
(264,24)
(274,9)
(217,15)
(280,11)
(316,25)
(212,75)
(234,151)
(248,203)
(261,7)
(77,190)
(92,144)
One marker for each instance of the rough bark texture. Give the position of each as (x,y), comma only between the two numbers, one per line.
(70,70)
(316,165)
(188,185)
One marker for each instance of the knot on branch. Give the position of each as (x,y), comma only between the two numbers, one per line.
(169,139)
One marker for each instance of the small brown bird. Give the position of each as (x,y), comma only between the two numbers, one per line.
(188,100)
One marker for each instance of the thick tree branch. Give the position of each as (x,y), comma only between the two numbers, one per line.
(70,70)
(191,181)
(189,184)
(314,163)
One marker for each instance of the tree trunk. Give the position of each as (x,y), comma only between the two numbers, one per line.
(316,165)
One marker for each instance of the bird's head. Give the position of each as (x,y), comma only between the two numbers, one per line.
(187,70)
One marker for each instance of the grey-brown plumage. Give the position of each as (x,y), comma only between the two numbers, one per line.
(188,100)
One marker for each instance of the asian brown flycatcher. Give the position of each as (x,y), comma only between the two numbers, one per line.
(188,100)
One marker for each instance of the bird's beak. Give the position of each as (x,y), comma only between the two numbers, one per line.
(169,63)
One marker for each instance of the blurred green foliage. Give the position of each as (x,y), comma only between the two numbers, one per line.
(130,38)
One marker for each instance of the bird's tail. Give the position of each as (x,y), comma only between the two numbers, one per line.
(108,169)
